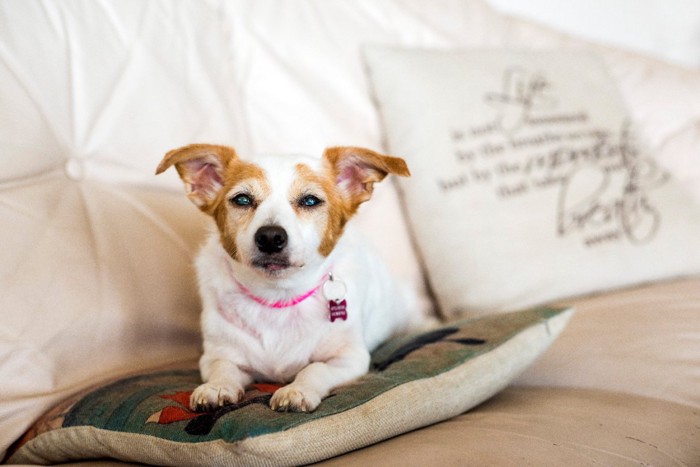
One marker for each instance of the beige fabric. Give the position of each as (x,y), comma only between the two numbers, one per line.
(549,427)
(644,340)
(104,463)
(95,258)
(78,313)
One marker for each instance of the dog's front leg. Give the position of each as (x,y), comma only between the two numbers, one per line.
(224,384)
(315,381)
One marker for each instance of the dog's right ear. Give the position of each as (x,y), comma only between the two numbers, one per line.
(201,168)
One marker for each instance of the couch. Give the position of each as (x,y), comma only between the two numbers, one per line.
(96,251)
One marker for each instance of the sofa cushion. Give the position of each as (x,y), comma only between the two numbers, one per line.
(93,95)
(643,340)
(527,159)
(549,426)
(415,381)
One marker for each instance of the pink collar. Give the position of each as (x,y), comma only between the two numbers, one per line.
(282,303)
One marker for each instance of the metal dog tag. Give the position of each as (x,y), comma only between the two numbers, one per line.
(334,291)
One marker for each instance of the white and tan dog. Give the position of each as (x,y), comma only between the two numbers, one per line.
(289,293)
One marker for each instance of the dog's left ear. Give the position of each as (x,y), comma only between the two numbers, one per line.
(357,170)
(201,168)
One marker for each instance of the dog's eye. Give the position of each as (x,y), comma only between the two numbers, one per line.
(309,201)
(242,200)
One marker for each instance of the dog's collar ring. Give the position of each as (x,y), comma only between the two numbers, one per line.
(334,289)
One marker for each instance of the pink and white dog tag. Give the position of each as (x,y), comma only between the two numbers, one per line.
(334,291)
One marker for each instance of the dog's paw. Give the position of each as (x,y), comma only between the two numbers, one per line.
(211,396)
(293,398)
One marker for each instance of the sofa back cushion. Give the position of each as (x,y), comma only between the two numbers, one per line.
(95,263)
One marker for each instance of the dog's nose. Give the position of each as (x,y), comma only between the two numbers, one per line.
(271,239)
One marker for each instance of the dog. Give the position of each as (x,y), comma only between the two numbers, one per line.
(290,293)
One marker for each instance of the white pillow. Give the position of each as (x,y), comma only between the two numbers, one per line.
(528,181)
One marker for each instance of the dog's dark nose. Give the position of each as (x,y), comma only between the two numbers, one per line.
(271,239)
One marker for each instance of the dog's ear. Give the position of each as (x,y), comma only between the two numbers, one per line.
(356,170)
(201,168)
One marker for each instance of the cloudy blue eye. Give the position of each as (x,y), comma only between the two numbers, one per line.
(242,200)
(309,201)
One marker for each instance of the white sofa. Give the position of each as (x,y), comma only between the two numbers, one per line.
(95,256)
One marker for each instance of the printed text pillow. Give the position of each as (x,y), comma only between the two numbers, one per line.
(528,181)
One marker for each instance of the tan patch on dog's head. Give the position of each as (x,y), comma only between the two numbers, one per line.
(330,217)
(356,170)
(347,180)
(241,179)
(201,168)
(212,176)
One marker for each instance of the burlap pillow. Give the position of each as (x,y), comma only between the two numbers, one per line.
(415,381)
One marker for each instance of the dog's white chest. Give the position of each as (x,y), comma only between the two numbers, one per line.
(287,342)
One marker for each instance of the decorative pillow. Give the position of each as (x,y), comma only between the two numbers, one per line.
(415,381)
(528,183)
